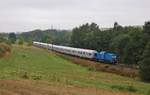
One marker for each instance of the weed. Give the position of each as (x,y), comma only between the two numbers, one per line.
(91,68)
(131,89)
(36,77)
(118,87)
(124,88)
(25,75)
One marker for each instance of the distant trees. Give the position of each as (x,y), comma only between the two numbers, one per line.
(47,39)
(12,37)
(59,37)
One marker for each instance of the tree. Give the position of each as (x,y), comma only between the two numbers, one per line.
(12,37)
(119,44)
(47,39)
(84,36)
(147,27)
(117,26)
(145,64)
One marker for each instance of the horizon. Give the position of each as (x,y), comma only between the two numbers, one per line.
(101,28)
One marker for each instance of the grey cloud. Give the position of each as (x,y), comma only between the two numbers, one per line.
(24,15)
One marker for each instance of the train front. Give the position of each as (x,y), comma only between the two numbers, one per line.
(106,57)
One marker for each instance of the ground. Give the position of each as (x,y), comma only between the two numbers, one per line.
(26,87)
(34,71)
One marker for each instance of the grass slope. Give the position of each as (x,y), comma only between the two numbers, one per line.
(37,64)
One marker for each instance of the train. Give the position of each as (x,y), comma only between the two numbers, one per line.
(102,56)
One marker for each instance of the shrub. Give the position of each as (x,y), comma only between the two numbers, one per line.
(36,77)
(4,48)
(118,87)
(25,75)
(2,51)
(8,42)
(30,43)
(124,88)
(131,89)
(21,41)
(91,68)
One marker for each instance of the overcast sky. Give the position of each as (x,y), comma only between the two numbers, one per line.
(25,15)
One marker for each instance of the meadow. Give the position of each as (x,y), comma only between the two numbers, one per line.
(34,64)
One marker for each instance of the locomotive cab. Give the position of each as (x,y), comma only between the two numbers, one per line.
(106,57)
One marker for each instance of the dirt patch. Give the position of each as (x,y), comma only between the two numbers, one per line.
(122,70)
(29,87)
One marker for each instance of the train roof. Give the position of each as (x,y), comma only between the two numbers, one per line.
(76,49)
(69,48)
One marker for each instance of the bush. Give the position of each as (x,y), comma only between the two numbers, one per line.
(30,43)
(25,75)
(36,77)
(8,42)
(21,41)
(4,48)
(91,68)
(131,89)
(124,88)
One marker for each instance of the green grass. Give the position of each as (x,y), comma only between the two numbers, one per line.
(38,64)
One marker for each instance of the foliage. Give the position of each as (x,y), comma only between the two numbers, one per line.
(30,42)
(4,48)
(145,64)
(124,88)
(47,39)
(20,41)
(128,42)
(12,37)
(59,37)
(147,27)
(118,44)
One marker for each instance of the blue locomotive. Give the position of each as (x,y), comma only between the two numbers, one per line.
(106,57)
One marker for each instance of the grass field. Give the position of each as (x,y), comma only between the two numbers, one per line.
(34,64)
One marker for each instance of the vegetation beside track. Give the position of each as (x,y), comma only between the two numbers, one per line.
(119,69)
